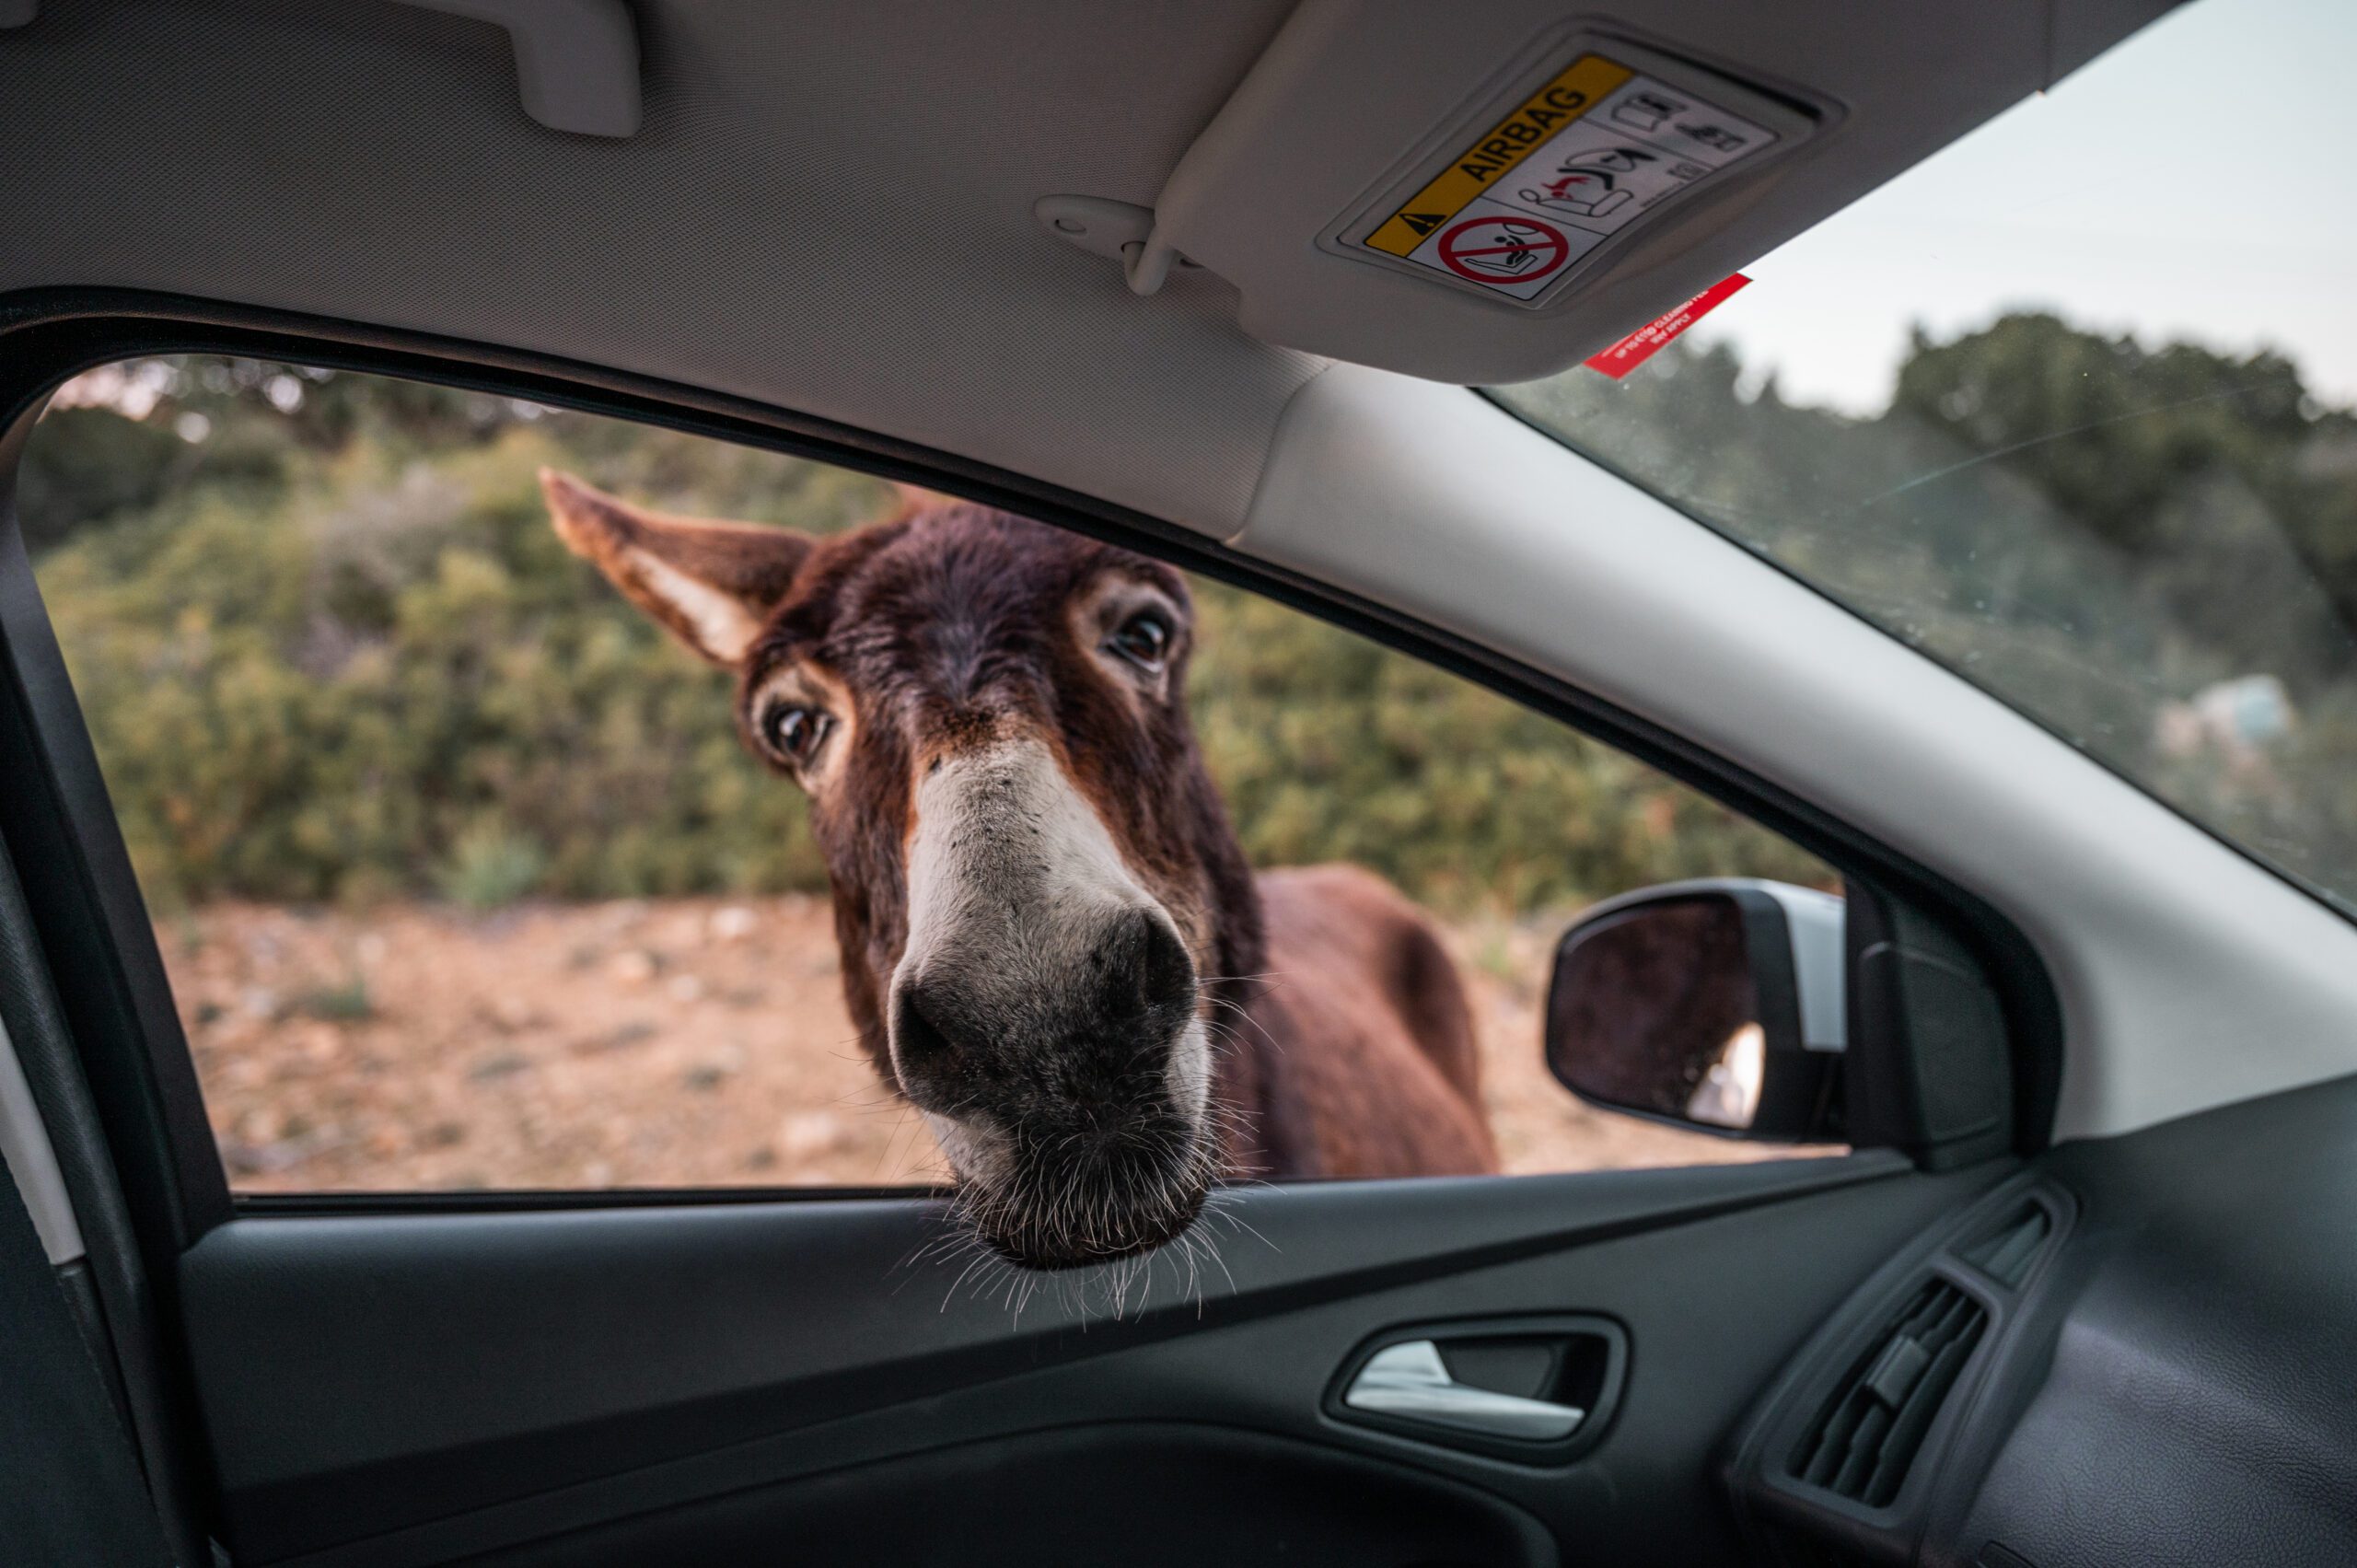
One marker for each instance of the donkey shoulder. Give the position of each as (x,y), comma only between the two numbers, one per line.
(1360,980)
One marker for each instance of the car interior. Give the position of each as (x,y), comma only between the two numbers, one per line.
(2068,1279)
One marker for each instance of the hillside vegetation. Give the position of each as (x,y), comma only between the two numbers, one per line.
(2150,547)
(331,652)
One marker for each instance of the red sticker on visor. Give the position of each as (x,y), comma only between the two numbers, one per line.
(1649,339)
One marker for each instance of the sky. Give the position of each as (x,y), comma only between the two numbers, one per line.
(2199,181)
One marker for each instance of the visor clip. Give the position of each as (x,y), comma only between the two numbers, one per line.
(1118,231)
(1146,264)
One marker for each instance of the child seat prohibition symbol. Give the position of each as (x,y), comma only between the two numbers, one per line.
(1503,251)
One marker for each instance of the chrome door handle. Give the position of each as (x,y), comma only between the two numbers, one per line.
(1409,1380)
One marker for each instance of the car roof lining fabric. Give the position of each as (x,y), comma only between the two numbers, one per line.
(821,212)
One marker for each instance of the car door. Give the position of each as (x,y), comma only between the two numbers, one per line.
(723,1375)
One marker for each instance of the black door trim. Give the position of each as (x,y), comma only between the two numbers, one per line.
(559,1368)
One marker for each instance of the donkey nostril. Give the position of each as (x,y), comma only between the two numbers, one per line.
(926,1041)
(1143,966)
(1168,971)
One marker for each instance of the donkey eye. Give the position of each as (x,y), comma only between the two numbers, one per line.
(1143,639)
(794,733)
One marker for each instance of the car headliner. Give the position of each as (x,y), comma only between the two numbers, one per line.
(828,209)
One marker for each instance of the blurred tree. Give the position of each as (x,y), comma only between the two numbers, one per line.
(90,463)
(2188,463)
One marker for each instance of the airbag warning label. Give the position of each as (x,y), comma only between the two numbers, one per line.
(1579,160)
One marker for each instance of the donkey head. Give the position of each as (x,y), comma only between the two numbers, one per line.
(1035,890)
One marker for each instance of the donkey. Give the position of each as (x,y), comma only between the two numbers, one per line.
(1052,945)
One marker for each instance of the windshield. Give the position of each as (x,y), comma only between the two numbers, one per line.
(2069,407)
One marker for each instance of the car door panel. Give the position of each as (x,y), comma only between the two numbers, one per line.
(1133,1494)
(388,1389)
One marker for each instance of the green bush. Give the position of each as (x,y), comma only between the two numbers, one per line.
(355,663)
(1329,747)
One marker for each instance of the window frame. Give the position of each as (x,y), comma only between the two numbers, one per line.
(58,823)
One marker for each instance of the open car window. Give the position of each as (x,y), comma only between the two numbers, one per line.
(2071,407)
(466,877)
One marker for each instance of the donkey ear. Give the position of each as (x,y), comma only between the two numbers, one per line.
(713,585)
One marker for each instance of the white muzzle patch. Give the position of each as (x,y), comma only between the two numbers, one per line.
(1013,881)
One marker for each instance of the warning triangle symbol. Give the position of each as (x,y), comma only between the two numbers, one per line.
(1422,223)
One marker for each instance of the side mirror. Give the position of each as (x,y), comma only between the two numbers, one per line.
(1717,1004)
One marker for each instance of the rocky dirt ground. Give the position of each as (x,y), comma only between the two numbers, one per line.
(680,1042)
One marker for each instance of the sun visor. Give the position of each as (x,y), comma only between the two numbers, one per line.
(1491,191)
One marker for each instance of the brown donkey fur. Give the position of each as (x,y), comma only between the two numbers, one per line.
(1052,943)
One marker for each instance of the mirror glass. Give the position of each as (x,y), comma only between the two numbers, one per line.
(1654,1010)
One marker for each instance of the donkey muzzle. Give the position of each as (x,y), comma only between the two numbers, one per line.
(1070,1098)
(1044,1016)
